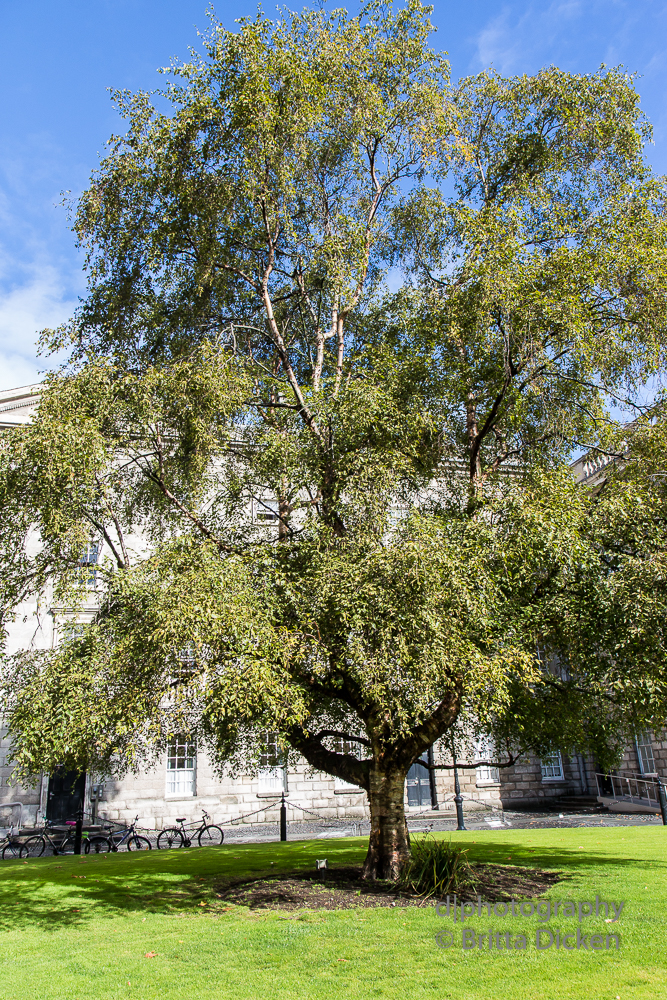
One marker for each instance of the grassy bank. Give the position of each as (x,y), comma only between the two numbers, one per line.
(82,928)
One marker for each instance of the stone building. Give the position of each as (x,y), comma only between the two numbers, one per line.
(185,783)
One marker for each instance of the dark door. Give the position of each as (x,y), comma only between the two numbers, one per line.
(419,784)
(65,796)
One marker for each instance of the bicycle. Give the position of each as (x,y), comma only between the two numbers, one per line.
(100,844)
(35,846)
(208,834)
(11,847)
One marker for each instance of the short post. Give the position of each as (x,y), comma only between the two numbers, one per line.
(78,829)
(458,798)
(283,818)
(663,801)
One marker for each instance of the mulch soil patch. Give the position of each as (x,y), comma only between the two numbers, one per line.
(342,888)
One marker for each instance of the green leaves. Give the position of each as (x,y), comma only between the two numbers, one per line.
(345,326)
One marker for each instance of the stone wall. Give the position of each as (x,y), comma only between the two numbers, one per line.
(318,795)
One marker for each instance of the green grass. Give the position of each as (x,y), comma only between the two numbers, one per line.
(65,937)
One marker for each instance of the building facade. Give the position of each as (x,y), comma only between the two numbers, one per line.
(184,783)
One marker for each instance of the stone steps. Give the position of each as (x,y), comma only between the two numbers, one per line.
(577,803)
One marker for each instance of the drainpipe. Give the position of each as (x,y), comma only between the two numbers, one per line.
(583,777)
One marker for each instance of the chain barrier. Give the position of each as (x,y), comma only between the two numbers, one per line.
(327,819)
(275,802)
(236,819)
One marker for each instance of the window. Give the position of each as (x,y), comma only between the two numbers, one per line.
(396,516)
(184,665)
(645,753)
(88,564)
(554,663)
(186,655)
(181,766)
(485,750)
(552,767)
(339,745)
(272,770)
(267,511)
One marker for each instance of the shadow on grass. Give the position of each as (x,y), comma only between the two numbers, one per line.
(572,858)
(53,893)
(57,892)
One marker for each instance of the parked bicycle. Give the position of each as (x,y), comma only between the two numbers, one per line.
(59,841)
(11,845)
(207,834)
(99,843)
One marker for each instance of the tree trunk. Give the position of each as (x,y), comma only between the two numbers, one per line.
(388,846)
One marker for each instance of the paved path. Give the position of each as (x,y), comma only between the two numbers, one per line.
(265,832)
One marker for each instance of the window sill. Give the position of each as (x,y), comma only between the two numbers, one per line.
(487,784)
(348,791)
(271,795)
(180,798)
(548,781)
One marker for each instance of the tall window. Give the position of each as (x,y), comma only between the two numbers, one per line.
(272,770)
(552,767)
(486,775)
(339,745)
(88,564)
(645,753)
(181,767)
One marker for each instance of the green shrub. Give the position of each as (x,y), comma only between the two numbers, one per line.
(437,867)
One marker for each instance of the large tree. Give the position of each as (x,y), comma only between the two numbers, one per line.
(345,325)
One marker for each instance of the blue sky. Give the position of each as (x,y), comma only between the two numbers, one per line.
(58,59)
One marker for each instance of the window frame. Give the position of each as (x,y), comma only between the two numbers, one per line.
(88,565)
(178,791)
(339,745)
(272,769)
(266,512)
(644,742)
(484,748)
(547,762)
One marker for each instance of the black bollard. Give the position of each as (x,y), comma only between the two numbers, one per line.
(663,801)
(283,818)
(458,798)
(78,830)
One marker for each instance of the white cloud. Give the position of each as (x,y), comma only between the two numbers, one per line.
(25,310)
(564,31)
(508,40)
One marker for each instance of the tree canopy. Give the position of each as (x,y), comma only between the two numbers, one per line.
(346,325)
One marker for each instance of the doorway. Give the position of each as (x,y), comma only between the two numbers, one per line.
(65,796)
(419,784)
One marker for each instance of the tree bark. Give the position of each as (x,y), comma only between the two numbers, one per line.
(388,846)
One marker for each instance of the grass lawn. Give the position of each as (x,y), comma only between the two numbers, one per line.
(81,928)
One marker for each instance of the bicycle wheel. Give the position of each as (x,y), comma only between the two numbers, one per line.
(137,843)
(11,850)
(210,836)
(171,837)
(67,846)
(97,845)
(33,847)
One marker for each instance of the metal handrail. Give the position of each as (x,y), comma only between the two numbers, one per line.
(630,787)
